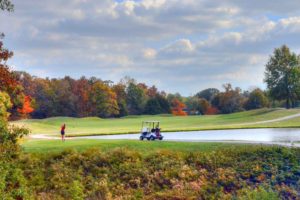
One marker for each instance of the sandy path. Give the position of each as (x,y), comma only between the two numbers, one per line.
(41,136)
(273,120)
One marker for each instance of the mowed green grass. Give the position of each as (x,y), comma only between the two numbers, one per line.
(132,124)
(145,147)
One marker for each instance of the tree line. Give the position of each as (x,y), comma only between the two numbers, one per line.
(94,97)
(91,97)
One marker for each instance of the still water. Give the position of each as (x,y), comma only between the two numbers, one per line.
(279,135)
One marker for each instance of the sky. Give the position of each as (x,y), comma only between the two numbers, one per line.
(178,45)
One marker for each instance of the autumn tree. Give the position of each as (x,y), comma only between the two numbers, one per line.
(208,94)
(76,98)
(229,101)
(152,92)
(10,92)
(27,107)
(120,91)
(65,99)
(45,99)
(257,99)
(27,81)
(197,105)
(282,75)
(10,96)
(8,81)
(103,100)
(211,110)
(177,108)
(171,97)
(81,90)
(5,104)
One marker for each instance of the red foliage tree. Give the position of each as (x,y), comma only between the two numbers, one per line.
(9,82)
(211,111)
(27,107)
(152,91)
(177,108)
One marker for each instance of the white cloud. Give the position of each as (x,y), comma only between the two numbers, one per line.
(148,4)
(181,47)
(149,53)
(187,45)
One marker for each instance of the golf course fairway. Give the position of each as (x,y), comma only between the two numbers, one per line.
(132,124)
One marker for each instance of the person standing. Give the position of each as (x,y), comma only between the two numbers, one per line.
(62,132)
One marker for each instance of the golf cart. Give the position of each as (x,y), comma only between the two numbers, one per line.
(150,131)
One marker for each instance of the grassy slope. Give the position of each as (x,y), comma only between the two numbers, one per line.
(93,125)
(46,146)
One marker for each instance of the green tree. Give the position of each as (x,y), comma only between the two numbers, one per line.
(4,105)
(257,99)
(197,105)
(65,100)
(282,75)
(136,99)
(12,182)
(172,97)
(8,135)
(157,105)
(152,107)
(120,90)
(164,104)
(208,94)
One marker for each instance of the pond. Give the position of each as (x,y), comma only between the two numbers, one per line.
(278,135)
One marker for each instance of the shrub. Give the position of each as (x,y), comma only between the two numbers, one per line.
(237,173)
(259,193)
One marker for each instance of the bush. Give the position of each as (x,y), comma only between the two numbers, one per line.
(237,173)
(259,193)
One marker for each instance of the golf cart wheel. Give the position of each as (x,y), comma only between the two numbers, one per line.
(152,138)
(141,138)
(148,138)
(160,138)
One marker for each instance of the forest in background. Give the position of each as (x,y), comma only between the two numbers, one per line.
(94,97)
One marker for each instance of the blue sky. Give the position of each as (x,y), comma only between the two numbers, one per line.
(180,46)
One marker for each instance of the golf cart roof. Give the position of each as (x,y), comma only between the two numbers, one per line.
(150,121)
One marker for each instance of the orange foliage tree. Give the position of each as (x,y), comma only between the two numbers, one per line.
(177,108)
(9,82)
(27,107)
